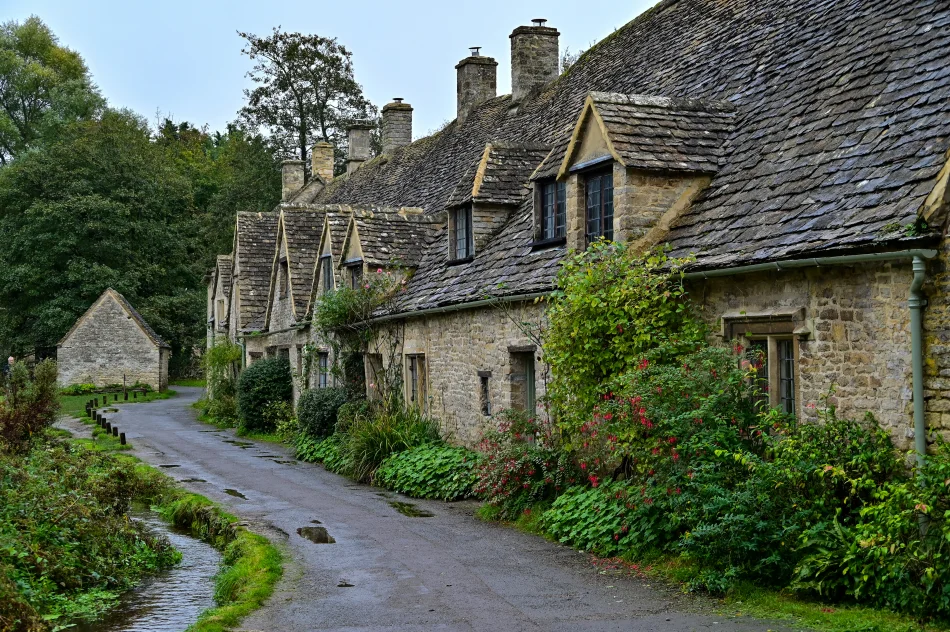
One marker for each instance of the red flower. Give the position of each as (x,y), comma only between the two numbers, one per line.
(593,480)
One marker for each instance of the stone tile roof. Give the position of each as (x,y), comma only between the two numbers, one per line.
(842,124)
(223,274)
(132,312)
(500,176)
(255,239)
(658,133)
(393,237)
(302,228)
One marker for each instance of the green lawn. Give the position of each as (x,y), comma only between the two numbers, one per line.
(75,405)
(199,383)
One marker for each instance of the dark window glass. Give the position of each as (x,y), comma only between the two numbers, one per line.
(553,211)
(484,395)
(284,279)
(356,275)
(326,267)
(786,377)
(462,237)
(323,366)
(600,206)
(417,380)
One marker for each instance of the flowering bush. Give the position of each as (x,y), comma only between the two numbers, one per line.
(522,464)
(30,405)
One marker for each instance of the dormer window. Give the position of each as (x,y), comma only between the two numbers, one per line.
(553,210)
(355,274)
(461,246)
(599,196)
(326,273)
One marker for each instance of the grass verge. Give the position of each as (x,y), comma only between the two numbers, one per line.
(198,383)
(75,405)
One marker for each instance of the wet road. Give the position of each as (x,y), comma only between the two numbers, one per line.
(389,571)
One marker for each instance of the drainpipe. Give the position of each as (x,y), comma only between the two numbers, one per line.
(916,304)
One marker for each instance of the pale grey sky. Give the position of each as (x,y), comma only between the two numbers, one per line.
(183,58)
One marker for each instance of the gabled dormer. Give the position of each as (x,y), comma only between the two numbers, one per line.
(221,294)
(488,192)
(385,239)
(298,240)
(330,252)
(630,167)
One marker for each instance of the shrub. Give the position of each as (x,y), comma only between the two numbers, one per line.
(371,439)
(326,451)
(350,412)
(433,470)
(280,417)
(522,464)
(30,406)
(264,382)
(317,410)
(592,519)
(78,389)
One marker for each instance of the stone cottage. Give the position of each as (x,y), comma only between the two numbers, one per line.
(796,149)
(112,344)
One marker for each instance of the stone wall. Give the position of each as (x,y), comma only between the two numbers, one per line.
(859,334)
(108,347)
(937,343)
(459,345)
(534,60)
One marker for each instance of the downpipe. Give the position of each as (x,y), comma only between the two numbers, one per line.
(916,303)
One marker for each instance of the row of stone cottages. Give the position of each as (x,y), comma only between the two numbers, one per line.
(796,148)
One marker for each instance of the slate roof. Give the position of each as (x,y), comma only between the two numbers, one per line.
(127,306)
(302,228)
(842,123)
(393,237)
(223,278)
(500,176)
(255,240)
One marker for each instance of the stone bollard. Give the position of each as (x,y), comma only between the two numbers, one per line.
(115,431)
(116,397)
(108,427)
(121,438)
(126,396)
(96,402)
(135,394)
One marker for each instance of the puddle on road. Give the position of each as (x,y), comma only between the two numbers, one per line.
(244,445)
(284,462)
(408,509)
(169,466)
(209,431)
(266,456)
(192,480)
(344,584)
(317,535)
(235,493)
(315,522)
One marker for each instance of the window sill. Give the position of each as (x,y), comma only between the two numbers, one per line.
(458,262)
(541,244)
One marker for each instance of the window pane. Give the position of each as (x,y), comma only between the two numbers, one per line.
(593,208)
(485,395)
(413,379)
(560,219)
(327,275)
(324,369)
(463,221)
(547,211)
(607,213)
(786,357)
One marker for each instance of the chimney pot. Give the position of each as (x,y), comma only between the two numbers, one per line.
(291,178)
(534,59)
(477,82)
(321,161)
(397,125)
(359,149)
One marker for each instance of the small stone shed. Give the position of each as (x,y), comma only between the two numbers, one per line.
(112,344)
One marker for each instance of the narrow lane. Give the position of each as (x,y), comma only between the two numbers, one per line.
(388,571)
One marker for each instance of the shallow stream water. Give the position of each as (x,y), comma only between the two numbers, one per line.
(171,600)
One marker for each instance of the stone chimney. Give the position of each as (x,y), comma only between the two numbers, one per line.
(534,59)
(291,178)
(359,149)
(397,125)
(321,161)
(477,82)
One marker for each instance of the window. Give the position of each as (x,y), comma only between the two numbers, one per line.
(484,392)
(222,314)
(284,352)
(326,271)
(284,279)
(522,381)
(460,235)
(773,358)
(356,275)
(599,189)
(553,210)
(417,380)
(255,356)
(323,369)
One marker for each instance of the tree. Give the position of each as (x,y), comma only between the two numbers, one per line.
(305,91)
(42,87)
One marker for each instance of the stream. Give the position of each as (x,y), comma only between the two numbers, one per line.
(171,600)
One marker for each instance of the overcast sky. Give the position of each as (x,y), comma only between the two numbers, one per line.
(183,58)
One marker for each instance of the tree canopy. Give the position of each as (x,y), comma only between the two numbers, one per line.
(42,86)
(305,91)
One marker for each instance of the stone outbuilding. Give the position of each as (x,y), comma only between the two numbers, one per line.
(112,344)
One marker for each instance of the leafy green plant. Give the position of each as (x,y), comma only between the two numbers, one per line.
(434,470)
(264,382)
(371,439)
(317,410)
(280,417)
(30,406)
(523,464)
(78,389)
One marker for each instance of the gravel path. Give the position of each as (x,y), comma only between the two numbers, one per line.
(389,571)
